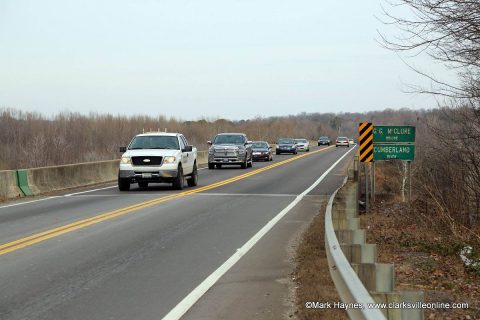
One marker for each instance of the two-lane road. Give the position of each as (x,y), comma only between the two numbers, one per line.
(105,254)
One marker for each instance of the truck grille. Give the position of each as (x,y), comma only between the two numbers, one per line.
(225,154)
(147,161)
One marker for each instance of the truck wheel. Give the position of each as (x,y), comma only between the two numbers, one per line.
(143,184)
(193,181)
(123,184)
(244,164)
(211,166)
(178,182)
(250,163)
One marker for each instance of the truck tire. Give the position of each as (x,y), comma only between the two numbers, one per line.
(193,181)
(123,184)
(178,182)
(211,166)
(245,163)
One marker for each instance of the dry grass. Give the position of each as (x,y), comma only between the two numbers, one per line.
(424,260)
(312,277)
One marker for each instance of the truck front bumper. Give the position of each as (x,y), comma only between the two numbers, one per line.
(225,160)
(150,176)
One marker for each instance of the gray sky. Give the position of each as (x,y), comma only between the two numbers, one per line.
(193,59)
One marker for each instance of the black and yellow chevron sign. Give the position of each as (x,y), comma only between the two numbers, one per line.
(365,139)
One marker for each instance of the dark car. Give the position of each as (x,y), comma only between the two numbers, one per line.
(230,148)
(261,150)
(286,145)
(323,141)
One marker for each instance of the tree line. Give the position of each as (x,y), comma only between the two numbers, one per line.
(30,139)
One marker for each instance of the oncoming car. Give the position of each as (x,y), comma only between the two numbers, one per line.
(158,157)
(261,150)
(342,141)
(286,145)
(302,145)
(324,140)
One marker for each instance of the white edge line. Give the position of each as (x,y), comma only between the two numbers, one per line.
(183,306)
(27,202)
(75,193)
(51,197)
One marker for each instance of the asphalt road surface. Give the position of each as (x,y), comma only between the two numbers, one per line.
(156,253)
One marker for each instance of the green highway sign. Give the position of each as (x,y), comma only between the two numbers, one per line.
(393,151)
(393,134)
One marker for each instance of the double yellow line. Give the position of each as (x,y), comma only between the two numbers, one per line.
(39,237)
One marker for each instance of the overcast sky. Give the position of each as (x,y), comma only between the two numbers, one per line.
(194,59)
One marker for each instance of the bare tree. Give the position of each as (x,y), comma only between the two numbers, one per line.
(446,30)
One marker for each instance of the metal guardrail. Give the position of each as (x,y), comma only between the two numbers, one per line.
(349,287)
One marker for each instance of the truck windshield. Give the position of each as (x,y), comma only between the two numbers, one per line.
(154,142)
(259,145)
(286,141)
(229,139)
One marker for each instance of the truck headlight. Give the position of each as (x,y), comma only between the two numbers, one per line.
(211,151)
(241,151)
(126,160)
(169,159)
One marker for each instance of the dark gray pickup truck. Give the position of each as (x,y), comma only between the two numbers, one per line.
(228,149)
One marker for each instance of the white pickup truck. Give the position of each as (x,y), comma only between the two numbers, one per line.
(158,157)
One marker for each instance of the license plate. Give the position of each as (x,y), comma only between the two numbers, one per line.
(146,175)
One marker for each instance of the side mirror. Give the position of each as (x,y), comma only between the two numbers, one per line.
(209,142)
(123,149)
(188,149)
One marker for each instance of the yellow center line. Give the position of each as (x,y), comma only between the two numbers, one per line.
(51,233)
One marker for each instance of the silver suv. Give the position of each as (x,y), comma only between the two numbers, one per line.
(230,148)
(158,157)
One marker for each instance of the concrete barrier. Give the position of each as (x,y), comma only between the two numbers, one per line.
(202,158)
(35,181)
(8,185)
(48,179)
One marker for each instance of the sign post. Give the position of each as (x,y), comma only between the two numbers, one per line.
(373,181)
(366,187)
